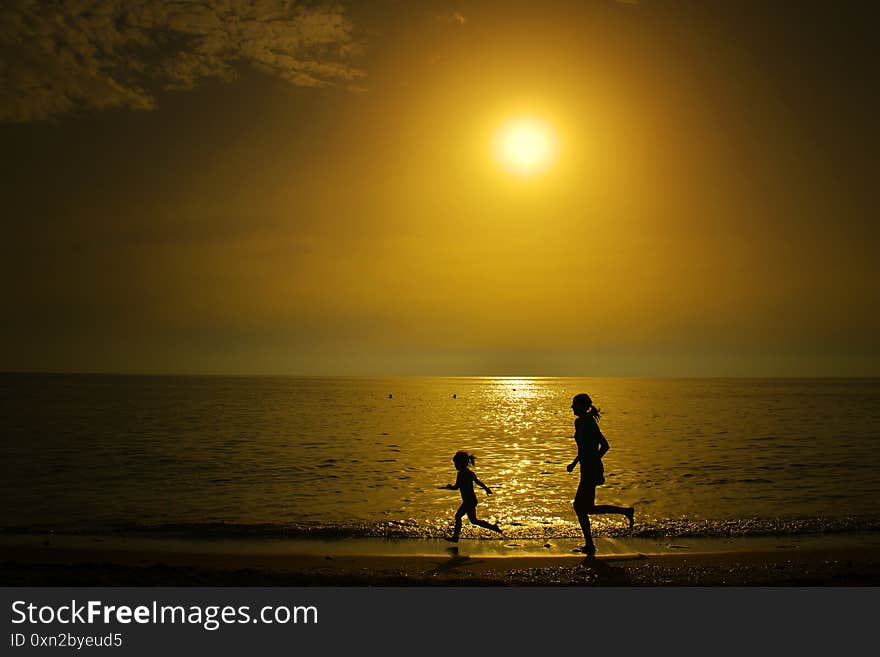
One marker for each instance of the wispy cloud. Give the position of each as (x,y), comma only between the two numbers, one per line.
(454,17)
(60,56)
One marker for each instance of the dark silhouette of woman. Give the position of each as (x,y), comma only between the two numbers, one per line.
(591,446)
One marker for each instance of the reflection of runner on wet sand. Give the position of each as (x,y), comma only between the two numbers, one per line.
(606,574)
(464,482)
(455,560)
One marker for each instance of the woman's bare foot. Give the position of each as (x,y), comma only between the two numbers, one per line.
(630,515)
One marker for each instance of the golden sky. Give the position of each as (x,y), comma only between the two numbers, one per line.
(297,188)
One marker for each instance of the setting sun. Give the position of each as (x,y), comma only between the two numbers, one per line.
(525,146)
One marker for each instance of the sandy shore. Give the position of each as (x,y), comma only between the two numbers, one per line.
(108,566)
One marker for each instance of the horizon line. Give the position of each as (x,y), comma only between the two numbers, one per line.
(435,376)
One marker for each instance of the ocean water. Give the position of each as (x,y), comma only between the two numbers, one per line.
(277,456)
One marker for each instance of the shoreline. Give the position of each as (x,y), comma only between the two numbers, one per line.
(79,561)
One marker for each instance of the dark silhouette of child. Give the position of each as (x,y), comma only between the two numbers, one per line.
(464,482)
(591,446)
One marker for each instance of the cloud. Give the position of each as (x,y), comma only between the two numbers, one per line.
(453,17)
(60,56)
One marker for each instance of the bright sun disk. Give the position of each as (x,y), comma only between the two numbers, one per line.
(525,146)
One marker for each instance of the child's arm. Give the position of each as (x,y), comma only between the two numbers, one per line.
(456,485)
(571,465)
(482,485)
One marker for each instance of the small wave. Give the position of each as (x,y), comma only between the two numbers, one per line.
(397,529)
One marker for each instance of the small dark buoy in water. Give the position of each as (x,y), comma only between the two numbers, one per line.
(454,395)
(389,395)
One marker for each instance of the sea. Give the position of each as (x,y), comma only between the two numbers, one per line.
(215,456)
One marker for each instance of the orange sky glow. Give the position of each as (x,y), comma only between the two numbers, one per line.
(331,199)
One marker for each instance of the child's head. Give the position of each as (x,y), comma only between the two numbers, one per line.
(582,406)
(461,460)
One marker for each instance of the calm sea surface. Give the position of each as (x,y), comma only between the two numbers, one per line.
(365,456)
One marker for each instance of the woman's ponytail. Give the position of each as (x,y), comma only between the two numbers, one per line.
(584,404)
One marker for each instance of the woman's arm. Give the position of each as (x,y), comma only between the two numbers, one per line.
(603,446)
(571,465)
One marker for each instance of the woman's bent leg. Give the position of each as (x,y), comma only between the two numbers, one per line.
(626,511)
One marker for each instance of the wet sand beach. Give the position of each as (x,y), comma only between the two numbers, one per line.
(74,563)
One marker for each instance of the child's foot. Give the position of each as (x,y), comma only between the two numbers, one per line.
(630,515)
(496,528)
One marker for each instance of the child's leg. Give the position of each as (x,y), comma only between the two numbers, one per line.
(472,516)
(462,510)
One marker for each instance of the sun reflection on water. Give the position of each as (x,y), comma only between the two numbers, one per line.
(344,452)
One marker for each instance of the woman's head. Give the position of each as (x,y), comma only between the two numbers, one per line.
(582,406)
(461,460)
